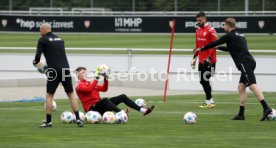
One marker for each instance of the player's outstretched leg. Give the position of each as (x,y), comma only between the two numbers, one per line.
(107,105)
(259,94)
(124,99)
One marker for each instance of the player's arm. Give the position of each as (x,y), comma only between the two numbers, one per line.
(103,87)
(196,53)
(222,48)
(214,37)
(87,87)
(220,41)
(39,50)
(193,62)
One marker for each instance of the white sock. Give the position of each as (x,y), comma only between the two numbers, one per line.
(208,101)
(143,110)
(211,101)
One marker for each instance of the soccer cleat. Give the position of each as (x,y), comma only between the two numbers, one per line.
(204,105)
(149,110)
(46,125)
(266,113)
(238,117)
(79,123)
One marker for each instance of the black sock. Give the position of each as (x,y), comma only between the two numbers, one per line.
(48,118)
(264,104)
(241,112)
(77,115)
(207,89)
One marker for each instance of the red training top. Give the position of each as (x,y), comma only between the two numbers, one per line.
(204,36)
(88,92)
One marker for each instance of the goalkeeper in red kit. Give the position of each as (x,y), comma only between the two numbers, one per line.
(88,93)
(205,34)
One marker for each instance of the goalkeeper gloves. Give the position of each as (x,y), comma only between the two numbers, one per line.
(97,73)
(39,64)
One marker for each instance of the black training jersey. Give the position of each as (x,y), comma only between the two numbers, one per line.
(236,45)
(54,51)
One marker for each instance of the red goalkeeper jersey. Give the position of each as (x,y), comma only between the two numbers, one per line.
(88,92)
(204,36)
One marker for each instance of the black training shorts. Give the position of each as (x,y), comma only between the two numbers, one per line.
(54,77)
(206,71)
(247,72)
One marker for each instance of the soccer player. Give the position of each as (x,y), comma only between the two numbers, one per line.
(88,93)
(58,71)
(244,61)
(205,34)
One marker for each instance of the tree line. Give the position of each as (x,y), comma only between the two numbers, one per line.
(144,5)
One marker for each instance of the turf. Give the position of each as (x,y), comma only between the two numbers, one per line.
(163,128)
(126,40)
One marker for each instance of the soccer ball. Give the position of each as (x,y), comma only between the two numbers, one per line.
(104,69)
(81,114)
(272,115)
(190,118)
(42,67)
(54,105)
(93,117)
(121,117)
(141,102)
(67,117)
(108,117)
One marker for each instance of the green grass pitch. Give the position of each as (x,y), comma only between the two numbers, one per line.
(123,41)
(163,128)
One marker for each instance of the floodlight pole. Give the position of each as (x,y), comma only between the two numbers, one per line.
(218,5)
(246,6)
(133,5)
(91,4)
(51,4)
(10,5)
(263,3)
(175,5)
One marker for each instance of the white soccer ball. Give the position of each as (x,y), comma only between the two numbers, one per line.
(42,66)
(81,115)
(93,117)
(67,117)
(54,105)
(121,117)
(272,115)
(190,118)
(108,117)
(104,69)
(141,102)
